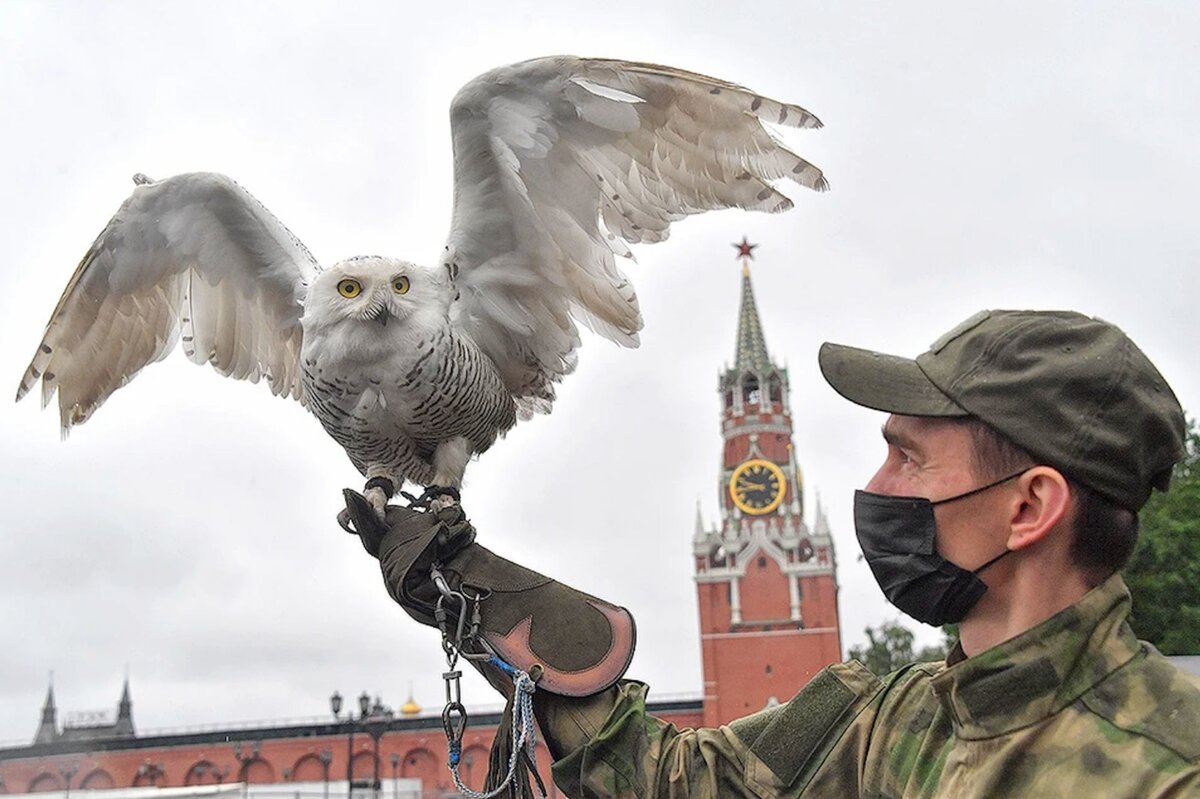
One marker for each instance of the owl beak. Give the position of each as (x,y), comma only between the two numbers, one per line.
(383,316)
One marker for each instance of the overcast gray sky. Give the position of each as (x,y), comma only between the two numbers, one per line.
(981,155)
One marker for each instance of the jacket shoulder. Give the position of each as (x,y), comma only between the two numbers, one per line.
(1151,698)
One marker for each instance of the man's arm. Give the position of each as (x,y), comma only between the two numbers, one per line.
(607,745)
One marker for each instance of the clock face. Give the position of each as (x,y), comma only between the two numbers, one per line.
(757,487)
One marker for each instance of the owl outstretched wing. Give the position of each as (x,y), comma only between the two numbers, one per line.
(558,162)
(194,258)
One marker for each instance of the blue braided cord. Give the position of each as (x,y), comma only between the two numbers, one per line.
(455,752)
(511,671)
(524,733)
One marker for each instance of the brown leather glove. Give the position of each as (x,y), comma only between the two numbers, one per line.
(580,644)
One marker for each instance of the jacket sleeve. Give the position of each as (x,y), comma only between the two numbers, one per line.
(1182,786)
(774,753)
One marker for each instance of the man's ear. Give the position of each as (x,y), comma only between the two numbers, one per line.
(1043,499)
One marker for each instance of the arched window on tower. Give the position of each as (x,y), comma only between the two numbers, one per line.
(727,396)
(775,389)
(751,393)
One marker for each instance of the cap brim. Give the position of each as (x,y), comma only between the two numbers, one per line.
(884,382)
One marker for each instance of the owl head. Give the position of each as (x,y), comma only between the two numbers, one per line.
(378,293)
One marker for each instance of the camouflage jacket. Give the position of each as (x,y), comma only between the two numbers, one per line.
(1075,707)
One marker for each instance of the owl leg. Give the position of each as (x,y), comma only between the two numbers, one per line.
(450,461)
(382,485)
(449,464)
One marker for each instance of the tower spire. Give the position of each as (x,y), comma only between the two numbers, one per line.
(821,525)
(124,724)
(700,531)
(48,728)
(751,344)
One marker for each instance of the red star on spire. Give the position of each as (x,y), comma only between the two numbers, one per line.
(745,248)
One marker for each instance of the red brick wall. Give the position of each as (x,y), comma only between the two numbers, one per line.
(751,667)
(764,591)
(422,756)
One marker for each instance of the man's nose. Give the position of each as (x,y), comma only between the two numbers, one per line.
(877,484)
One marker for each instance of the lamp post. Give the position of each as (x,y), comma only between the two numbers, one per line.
(68,770)
(395,781)
(326,757)
(335,704)
(151,772)
(244,762)
(375,722)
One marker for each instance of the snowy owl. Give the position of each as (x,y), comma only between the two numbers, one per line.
(558,163)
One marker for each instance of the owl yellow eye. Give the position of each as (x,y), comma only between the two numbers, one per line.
(400,285)
(349,288)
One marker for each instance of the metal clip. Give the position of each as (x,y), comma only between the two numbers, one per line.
(439,580)
(454,715)
(475,620)
(453,681)
(451,643)
(479,647)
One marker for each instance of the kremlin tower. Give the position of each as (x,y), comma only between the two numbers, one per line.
(764,579)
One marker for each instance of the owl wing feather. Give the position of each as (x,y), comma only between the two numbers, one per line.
(194,258)
(558,162)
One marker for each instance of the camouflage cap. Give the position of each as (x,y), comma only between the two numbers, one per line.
(1073,391)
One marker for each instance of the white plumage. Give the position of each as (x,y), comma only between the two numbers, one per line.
(558,163)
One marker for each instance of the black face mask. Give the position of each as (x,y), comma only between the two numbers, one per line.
(897,539)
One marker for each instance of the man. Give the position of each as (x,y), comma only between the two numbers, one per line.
(1019,450)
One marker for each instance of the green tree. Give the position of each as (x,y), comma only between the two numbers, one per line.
(890,646)
(1164,572)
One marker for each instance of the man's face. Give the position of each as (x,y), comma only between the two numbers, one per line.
(933,458)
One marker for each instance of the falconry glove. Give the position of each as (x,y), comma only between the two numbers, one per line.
(578,645)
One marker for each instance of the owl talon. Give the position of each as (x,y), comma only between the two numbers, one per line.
(442,501)
(378,499)
(435,498)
